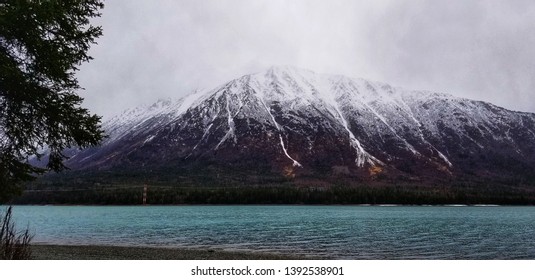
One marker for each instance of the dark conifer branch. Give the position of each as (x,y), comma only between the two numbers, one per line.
(42,43)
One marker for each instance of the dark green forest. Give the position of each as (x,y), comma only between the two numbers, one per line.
(365,194)
(216,186)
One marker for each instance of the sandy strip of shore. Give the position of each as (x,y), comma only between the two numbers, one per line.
(90,252)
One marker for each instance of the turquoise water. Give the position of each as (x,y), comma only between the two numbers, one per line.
(341,232)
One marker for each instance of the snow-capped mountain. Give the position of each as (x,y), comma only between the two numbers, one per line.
(296,122)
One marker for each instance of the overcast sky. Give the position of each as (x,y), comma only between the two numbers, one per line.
(482,50)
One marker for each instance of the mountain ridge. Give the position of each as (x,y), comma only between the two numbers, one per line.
(296,122)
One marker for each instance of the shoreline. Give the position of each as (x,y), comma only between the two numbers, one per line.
(105,252)
(360,205)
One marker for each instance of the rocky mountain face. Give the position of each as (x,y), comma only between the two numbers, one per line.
(296,123)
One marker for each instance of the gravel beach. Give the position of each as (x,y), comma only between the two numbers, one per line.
(68,252)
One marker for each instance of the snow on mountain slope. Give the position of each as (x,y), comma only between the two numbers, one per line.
(298,121)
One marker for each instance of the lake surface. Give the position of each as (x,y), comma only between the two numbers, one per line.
(341,232)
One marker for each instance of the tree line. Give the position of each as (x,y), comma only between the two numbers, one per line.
(114,194)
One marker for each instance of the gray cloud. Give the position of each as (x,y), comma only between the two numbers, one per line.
(151,49)
(478,49)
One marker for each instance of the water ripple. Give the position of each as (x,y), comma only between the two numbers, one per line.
(342,232)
